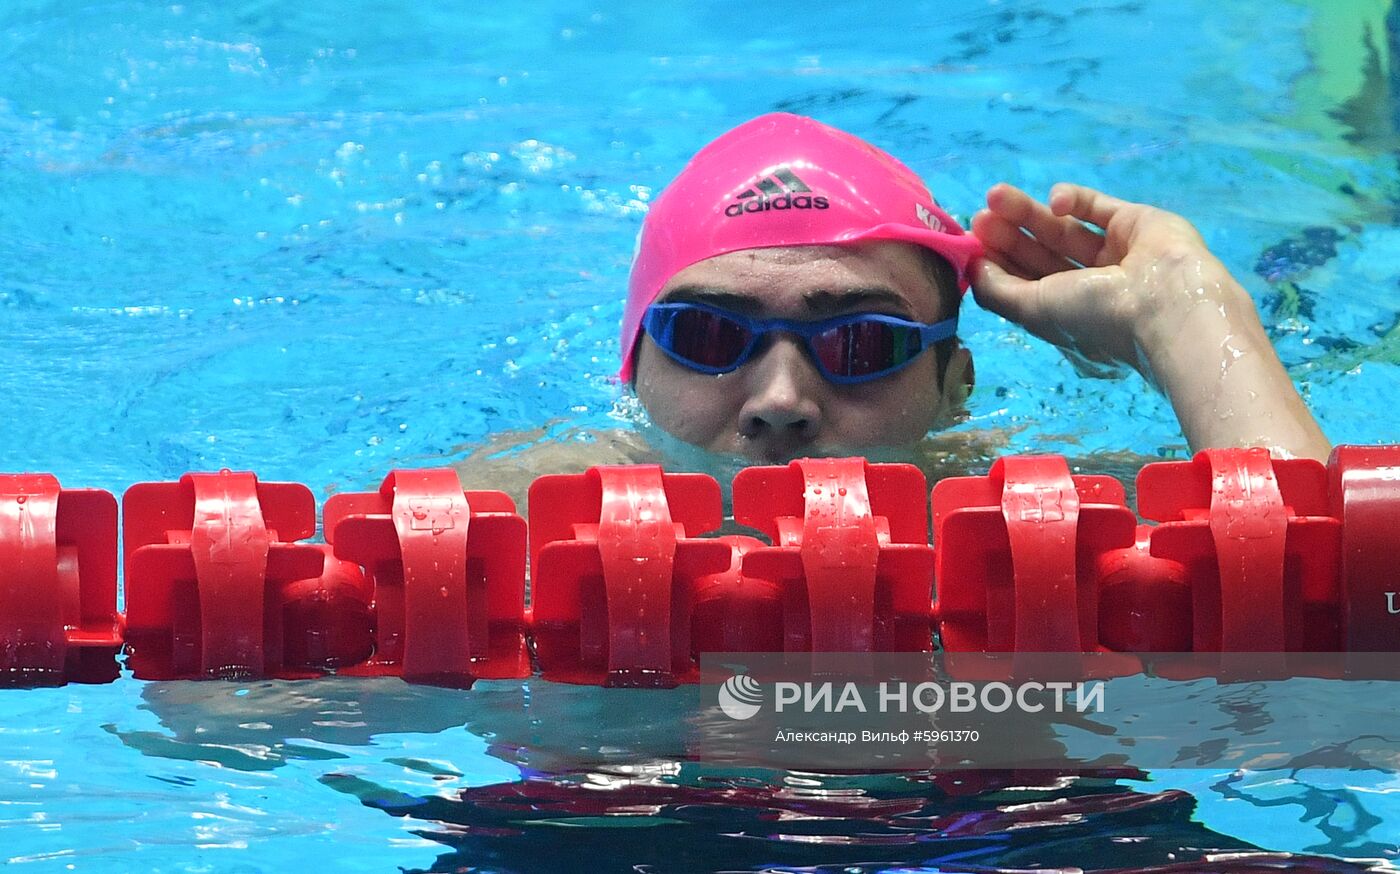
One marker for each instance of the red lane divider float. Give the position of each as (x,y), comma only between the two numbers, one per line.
(1259,550)
(1019,553)
(211,563)
(1364,488)
(58,582)
(424,580)
(616,568)
(849,563)
(446,577)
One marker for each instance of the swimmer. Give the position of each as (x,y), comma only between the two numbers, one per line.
(796,292)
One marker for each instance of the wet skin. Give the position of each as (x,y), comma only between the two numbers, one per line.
(777,406)
(1125,283)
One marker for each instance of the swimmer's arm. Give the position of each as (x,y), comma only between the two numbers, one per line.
(1228,387)
(1143,291)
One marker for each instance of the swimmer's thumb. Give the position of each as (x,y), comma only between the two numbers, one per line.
(998,291)
(1055,308)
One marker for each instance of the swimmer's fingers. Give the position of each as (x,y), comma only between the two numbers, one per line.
(1015,250)
(992,252)
(1126,225)
(1087,204)
(1061,233)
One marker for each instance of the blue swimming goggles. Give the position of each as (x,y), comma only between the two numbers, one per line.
(846,349)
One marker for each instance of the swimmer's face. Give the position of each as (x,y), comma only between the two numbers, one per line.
(778,406)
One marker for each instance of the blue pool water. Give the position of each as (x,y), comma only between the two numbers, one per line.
(319,240)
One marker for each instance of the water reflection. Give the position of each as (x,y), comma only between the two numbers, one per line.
(702,820)
(548,774)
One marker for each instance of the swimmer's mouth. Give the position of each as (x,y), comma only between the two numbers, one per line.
(774,452)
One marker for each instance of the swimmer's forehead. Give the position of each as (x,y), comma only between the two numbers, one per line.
(822,280)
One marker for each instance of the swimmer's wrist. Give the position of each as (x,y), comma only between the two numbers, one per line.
(1215,364)
(1192,323)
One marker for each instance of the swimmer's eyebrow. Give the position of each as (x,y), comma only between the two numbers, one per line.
(715,297)
(820,302)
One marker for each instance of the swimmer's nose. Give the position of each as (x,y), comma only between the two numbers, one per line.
(783,409)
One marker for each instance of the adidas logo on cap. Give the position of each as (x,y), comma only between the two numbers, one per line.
(780,190)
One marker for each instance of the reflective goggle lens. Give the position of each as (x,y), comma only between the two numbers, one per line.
(846,349)
(702,337)
(864,348)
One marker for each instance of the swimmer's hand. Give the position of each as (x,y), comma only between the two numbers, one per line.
(1119,283)
(1086,271)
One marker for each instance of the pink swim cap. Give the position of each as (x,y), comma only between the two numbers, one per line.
(783,180)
